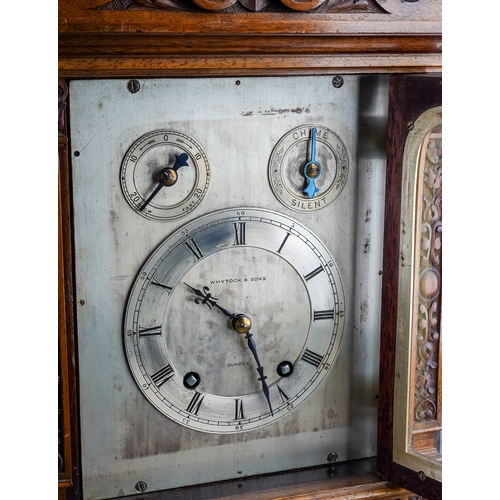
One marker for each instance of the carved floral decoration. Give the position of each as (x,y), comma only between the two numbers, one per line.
(62,97)
(429,280)
(329,6)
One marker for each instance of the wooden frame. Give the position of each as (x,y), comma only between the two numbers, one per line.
(245,55)
(418,418)
(68,387)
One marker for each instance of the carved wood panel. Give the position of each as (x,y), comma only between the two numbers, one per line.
(426,366)
(333,6)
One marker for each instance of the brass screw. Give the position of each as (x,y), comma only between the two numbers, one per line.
(168,177)
(312,170)
(242,323)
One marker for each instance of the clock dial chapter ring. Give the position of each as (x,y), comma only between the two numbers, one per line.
(164,175)
(308,168)
(263,263)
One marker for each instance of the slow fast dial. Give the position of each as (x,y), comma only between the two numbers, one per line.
(164,175)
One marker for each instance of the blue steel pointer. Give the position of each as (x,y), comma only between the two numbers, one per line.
(312,169)
(168,177)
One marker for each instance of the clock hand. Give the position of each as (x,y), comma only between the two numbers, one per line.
(168,177)
(241,323)
(312,169)
(260,369)
(206,298)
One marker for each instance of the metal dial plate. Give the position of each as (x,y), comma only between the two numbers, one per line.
(238,121)
(293,152)
(251,261)
(147,158)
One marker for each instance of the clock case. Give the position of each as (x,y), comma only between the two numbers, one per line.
(80,55)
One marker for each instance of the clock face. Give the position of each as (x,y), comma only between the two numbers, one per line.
(308,168)
(224,329)
(164,175)
(194,366)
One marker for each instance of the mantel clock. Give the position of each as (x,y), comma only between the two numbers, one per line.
(232,291)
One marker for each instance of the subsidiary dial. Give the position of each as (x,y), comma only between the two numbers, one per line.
(165,175)
(308,168)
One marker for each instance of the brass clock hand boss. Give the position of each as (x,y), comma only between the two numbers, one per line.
(241,324)
(168,177)
(312,169)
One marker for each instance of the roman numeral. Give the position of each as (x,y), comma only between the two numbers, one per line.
(312,358)
(162,375)
(239,230)
(167,288)
(194,249)
(146,332)
(195,403)
(284,397)
(238,409)
(283,243)
(323,314)
(314,273)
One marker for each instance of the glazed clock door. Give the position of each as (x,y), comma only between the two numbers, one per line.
(228,252)
(410,409)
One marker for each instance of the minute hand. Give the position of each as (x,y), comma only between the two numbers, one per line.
(260,369)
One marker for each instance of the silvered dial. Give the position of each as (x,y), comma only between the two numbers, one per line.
(308,168)
(164,175)
(234,320)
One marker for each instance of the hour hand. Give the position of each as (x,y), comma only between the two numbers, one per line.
(312,169)
(205,297)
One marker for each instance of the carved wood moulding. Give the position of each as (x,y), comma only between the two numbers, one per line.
(333,6)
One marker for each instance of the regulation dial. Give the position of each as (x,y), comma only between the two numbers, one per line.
(165,175)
